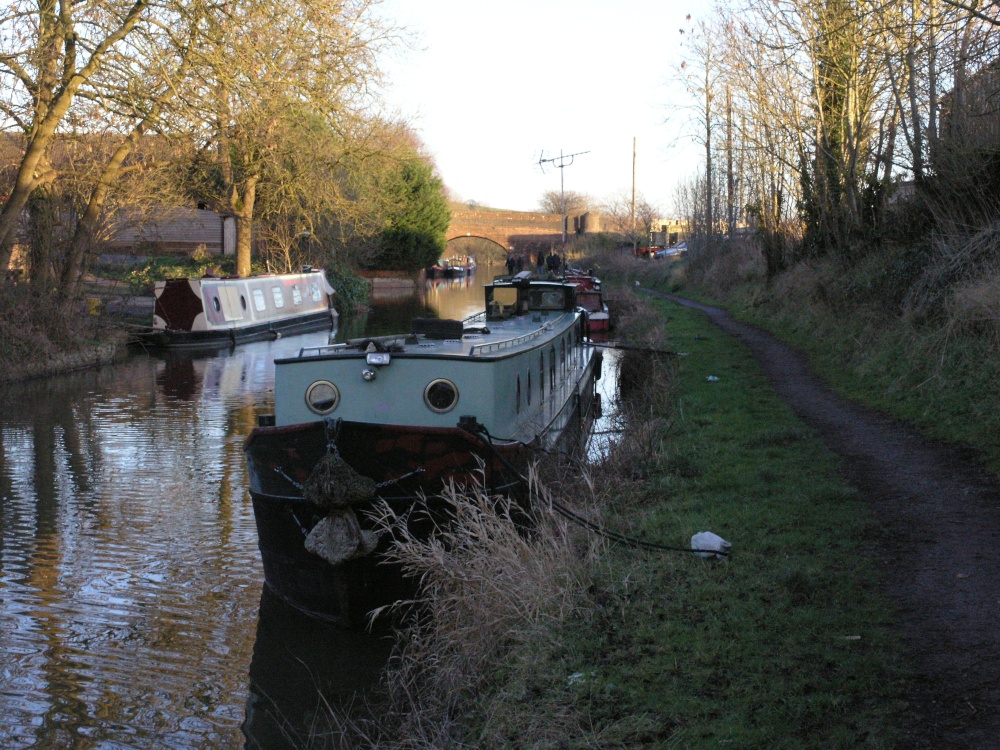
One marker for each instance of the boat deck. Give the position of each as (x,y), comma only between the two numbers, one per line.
(481,339)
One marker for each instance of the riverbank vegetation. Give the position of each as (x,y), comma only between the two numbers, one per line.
(244,109)
(561,638)
(848,201)
(887,330)
(39,336)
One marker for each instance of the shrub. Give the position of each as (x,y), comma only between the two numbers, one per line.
(35,327)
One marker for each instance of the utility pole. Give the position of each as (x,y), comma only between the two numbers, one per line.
(634,235)
(561,162)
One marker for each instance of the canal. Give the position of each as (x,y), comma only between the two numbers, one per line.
(132,613)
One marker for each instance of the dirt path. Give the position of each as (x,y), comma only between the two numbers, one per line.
(940,548)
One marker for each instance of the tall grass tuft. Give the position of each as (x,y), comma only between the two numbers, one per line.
(489,586)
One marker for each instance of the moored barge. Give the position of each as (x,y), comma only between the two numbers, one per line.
(216,311)
(394,419)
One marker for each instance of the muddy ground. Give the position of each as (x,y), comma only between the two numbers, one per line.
(939,544)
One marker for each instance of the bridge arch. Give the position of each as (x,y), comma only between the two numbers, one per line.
(478,245)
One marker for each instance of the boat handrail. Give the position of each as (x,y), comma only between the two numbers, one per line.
(497,346)
(319,351)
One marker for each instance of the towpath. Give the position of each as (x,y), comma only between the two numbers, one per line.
(939,546)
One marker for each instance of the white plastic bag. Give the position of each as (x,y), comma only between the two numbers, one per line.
(710,545)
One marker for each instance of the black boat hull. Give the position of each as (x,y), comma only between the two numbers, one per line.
(220,339)
(411,464)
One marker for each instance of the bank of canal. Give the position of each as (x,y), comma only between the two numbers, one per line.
(786,644)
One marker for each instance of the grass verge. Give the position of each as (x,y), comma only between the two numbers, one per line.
(40,335)
(939,374)
(784,645)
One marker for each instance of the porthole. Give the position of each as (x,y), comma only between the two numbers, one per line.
(216,304)
(441,395)
(322,397)
(243,302)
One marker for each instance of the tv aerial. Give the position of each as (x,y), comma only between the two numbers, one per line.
(560,162)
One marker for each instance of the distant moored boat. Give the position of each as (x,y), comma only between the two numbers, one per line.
(214,311)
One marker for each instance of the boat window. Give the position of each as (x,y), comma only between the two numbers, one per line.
(552,367)
(441,395)
(541,375)
(322,397)
(562,355)
(547,300)
(505,295)
(259,303)
(216,304)
(296,295)
(518,394)
(243,302)
(279,300)
(315,292)
(501,301)
(529,387)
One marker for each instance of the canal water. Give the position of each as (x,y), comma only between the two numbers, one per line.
(132,613)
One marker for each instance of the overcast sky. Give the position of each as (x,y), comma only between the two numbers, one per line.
(491,87)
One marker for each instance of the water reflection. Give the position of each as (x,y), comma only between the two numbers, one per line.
(300,667)
(129,574)
(127,555)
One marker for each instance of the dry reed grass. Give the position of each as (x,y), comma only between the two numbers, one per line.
(976,305)
(488,586)
(722,267)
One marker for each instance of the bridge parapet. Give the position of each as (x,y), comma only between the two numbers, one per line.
(502,226)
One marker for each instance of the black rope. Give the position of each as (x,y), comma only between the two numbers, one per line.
(631,348)
(480,431)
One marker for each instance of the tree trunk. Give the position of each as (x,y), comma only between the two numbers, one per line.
(915,125)
(83,236)
(43,223)
(244,226)
(730,176)
(51,116)
(709,219)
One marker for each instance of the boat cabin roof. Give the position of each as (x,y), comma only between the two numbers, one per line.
(521,313)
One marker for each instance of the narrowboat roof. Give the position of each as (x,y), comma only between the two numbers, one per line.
(540,311)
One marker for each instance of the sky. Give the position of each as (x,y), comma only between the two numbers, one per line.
(492,88)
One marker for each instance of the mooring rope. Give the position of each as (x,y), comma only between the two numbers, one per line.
(632,348)
(480,431)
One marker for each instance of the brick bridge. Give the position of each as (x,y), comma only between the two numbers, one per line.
(521,230)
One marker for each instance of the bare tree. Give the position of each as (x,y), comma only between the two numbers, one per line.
(270,61)
(701,75)
(229,80)
(634,228)
(551,202)
(50,51)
